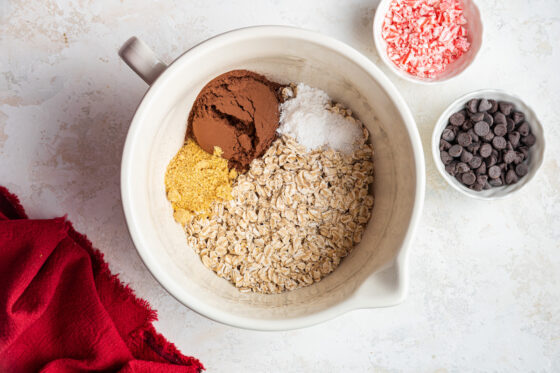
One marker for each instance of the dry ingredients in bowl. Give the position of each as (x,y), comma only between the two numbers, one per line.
(425,36)
(301,207)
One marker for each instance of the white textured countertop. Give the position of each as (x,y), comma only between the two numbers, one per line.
(485,276)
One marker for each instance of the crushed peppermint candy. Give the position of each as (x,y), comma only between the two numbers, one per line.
(424,36)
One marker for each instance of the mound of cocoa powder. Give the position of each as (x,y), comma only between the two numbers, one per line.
(237,111)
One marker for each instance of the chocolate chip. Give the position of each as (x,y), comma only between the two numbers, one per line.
(462,167)
(468,178)
(519,158)
(529,140)
(521,169)
(524,150)
(444,145)
(484,105)
(448,135)
(468,124)
(517,117)
(488,119)
(510,125)
(477,117)
(500,118)
(523,129)
(500,130)
(494,106)
(499,142)
(485,150)
(475,162)
(495,182)
(511,177)
(482,169)
(456,150)
(494,172)
(509,146)
(474,136)
(451,168)
(489,136)
(464,139)
(466,156)
(472,105)
(477,187)
(514,137)
(457,119)
(506,107)
(491,161)
(481,128)
(473,148)
(445,157)
(481,179)
(510,156)
(487,186)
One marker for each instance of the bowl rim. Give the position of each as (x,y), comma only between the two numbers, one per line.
(378,20)
(441,123)
(221,315)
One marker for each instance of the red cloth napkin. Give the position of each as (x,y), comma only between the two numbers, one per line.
(61,309)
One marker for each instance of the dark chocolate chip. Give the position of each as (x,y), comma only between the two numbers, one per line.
(500,130)
(475,162)
(445,157)
(517,117)
(472,105)
(451,168)
(509,146)
(523,129)
(529,140)
(474,136)
(524,150)
(499,142)
(510,125)
(521,169)
(484,105)
(510,156)
(482,179)
(464,139)
(444,145)
(456,150)
(477,117)
(462,167)
(494,106)
(488,119)
(466,156)
(491,161)
(457,119)
(468,178)
(514,137)
(494,172)
(511,177)
(495,182)
(519,158)
(481,128)
(468,124)
(488,137)
(505,107)
(499,118)
(448,135)
(487,186)
(477,187)
(473,148)
(482,169)
(485,150)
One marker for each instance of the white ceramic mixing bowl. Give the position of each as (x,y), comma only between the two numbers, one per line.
(375,274)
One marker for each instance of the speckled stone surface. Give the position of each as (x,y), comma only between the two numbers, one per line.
(485,276)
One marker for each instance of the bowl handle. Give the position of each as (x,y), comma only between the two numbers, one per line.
(385,288)
(141,59)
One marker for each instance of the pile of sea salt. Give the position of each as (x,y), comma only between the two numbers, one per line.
(308,119)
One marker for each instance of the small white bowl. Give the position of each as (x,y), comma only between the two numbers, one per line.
(474,36)
(536,152)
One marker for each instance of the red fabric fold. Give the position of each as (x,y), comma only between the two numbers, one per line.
(61,309)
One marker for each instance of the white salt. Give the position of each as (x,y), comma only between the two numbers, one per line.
(307,119)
